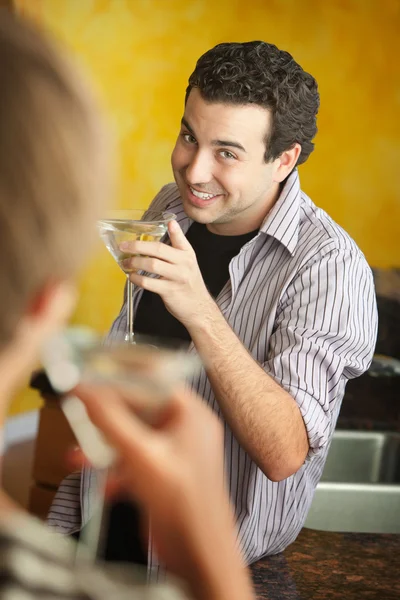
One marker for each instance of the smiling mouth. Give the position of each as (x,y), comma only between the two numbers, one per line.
(201,195)
(205,196)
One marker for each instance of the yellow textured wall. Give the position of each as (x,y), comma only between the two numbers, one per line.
(140,53)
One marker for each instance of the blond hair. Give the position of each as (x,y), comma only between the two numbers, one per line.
(53,168)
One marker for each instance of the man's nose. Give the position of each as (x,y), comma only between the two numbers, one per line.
(199,169)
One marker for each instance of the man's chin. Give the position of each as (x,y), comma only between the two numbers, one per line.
(203,212)
(200,215)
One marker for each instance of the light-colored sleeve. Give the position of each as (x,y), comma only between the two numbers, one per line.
(324,334)
(73,503)
(65,511)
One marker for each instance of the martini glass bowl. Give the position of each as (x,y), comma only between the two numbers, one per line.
(127,226)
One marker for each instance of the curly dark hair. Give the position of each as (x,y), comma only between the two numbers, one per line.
(260,73)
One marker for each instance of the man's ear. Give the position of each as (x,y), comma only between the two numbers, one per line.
(52,305)
(286,162)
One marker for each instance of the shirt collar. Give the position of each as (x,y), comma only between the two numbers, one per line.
(282,221)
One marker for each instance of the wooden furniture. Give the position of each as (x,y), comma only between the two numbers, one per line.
(54,438)
(7,4)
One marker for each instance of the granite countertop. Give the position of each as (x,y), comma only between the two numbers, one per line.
(323,565)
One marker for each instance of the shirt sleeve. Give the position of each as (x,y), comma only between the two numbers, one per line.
(65,511)
(324,334)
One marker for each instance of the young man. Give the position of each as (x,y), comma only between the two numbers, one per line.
(276,298)
(54,176)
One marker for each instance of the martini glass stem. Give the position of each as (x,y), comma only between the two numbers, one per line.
(129,334)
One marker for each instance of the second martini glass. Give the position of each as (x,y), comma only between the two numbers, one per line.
(127,226)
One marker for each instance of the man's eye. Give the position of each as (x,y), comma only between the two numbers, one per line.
(189,139)
(227,155)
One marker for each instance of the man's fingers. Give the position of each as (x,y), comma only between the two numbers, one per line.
(150,265)
(151,284)
(154,249)
(177,237)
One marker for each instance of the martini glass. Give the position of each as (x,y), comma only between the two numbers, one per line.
(127,226)
(143,375)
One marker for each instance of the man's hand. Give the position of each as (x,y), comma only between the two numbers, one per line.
(180,283)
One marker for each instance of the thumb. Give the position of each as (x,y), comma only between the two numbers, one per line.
(177,237)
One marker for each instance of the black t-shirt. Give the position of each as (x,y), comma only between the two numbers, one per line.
(214,253)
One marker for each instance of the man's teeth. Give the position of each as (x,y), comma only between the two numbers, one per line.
(202,195)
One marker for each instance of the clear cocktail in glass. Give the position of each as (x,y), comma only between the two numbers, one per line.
(128,226)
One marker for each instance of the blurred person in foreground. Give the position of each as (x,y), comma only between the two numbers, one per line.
(54,179)
(275,297)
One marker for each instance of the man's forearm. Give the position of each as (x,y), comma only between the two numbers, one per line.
(263,417)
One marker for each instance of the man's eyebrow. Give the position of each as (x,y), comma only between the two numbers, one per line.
(226,143)
(229,143)
(186,124)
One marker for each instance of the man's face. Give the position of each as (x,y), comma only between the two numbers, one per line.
(218,165)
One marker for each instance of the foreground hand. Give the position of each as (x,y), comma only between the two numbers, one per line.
(174,471)
(180,283)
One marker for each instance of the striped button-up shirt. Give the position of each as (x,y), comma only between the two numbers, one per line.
(300,297)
